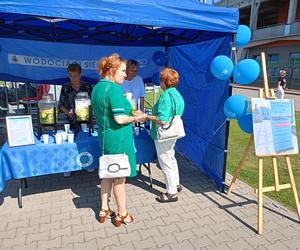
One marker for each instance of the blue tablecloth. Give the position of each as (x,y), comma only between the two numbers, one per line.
(41,159)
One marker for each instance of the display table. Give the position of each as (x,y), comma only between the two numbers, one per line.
(41,159)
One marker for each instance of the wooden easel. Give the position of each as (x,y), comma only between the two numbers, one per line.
(268,94)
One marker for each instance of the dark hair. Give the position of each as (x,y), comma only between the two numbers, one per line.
(108,63)
(132,62)
(73,67)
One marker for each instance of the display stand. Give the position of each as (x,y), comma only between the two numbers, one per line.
(267,94)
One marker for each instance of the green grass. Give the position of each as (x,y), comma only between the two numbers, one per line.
(150,98)
(249,173)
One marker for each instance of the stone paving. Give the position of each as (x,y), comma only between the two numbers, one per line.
(61,213)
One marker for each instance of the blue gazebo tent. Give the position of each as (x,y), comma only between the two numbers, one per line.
(39,38)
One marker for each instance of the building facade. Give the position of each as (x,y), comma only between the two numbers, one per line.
(275,26)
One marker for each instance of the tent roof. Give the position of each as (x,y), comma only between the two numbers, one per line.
(119,22)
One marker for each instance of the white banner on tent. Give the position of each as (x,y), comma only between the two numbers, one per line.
(49,62)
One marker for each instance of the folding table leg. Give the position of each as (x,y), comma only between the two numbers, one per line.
(20,191)
(20,194)
(148,169)
(150,176)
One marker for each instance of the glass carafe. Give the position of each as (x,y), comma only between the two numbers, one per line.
(46,109)
(82,104)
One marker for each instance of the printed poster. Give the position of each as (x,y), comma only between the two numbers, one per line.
(274,127)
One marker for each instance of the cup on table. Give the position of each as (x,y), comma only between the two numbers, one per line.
(136,131)
(64,136)
(45,138)
(70,138)
(58,138)
(84,127)
(67,128)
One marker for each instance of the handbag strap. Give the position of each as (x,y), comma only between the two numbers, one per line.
(104,113)
(173,111)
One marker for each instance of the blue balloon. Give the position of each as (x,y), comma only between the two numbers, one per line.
(159,58)
(243,36)
(245,123)
(221,67)
(235,106)
(156,78)
(246,71)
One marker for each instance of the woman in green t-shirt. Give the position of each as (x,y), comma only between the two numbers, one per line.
(170,100)
(115,121)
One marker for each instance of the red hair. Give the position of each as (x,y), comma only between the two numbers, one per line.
(109,65)
(169,77)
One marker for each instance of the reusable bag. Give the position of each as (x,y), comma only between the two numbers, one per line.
(173,130)
(112,165)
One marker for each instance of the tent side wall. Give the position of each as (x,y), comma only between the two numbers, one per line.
(204,97)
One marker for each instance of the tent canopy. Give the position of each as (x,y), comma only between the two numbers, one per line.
(38,39)
(115,22)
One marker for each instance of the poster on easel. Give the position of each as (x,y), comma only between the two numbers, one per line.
(274,127)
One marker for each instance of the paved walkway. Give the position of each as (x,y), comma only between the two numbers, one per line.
(61,213)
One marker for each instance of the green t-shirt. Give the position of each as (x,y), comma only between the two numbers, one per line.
(165,107)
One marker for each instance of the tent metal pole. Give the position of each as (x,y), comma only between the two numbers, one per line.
(166,50)
(234,57)
(27,99)
(226,146)
(6,97)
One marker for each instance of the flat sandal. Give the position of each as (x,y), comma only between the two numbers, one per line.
(164,198)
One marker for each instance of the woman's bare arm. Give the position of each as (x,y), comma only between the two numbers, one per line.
(155,119)
(124,119)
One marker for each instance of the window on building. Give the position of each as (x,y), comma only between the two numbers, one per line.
(273,58)
(257,58)
(295,57)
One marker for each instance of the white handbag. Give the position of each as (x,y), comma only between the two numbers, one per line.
(173,130)
(112,165)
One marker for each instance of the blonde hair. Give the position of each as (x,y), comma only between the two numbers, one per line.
(282,71)
(109,65)
(169,77)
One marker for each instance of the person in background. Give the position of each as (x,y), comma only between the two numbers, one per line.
(69,91)
(170,100)
(134,83)
(112,111)
(10,95)
(281,84)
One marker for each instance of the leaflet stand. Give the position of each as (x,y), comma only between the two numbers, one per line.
(268,94)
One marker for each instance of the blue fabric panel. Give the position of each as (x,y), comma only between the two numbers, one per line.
(40,159)
(46,62)
(204,97)
(187,14)
(145,147)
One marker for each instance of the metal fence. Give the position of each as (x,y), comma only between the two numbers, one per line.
(229,3)
(292,68)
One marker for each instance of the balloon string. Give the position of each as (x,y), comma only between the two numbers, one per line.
(216,131)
